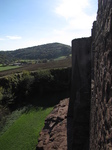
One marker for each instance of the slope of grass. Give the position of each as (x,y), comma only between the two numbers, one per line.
(24,132)
(60,58)
(3,68)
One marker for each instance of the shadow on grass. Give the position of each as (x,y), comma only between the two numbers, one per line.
(44,100)
(48,100)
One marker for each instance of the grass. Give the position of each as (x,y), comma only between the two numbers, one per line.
(3,68)
(24,132)
(60,58)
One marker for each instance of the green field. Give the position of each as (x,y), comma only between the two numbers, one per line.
(24,132)
(3,68)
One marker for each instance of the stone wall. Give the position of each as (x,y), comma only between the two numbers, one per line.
(101,84)
(79,106)
(81,64)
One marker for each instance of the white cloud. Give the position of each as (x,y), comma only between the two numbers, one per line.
(13,37)
(78,15)
(1,39)
(71,8)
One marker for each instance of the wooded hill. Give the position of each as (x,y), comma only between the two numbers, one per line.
(46,51)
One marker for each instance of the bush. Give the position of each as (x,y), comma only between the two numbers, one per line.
(18,89)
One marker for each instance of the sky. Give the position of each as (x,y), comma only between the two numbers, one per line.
(26,23)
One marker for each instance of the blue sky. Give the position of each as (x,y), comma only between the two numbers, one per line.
(25,23)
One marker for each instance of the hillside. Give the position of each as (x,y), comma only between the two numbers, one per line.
(46,51)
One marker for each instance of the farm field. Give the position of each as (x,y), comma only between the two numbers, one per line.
(33,67)
(24,132)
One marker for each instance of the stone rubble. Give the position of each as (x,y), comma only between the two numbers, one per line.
(54,134)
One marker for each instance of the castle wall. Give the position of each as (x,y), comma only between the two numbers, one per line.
(79,106)
(81,58)
(101,84)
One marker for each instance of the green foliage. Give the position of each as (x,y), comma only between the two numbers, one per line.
(19,88)
(3,113)
(1,93)
(24,87)
(6,57)
(43,75)
(62,78)
(8,118)
(9,84)
(24,132)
